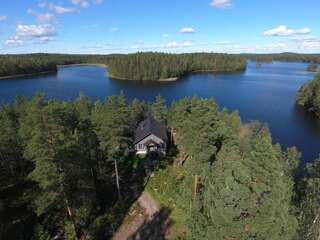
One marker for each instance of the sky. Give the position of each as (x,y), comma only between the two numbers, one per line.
(125,26)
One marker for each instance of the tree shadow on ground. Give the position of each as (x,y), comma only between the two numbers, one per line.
(155,227)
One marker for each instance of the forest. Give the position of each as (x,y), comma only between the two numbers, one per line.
(139,66)
(59,161)
(309,96)
(288,57)
(144,66)
(157,66)
(11,65)
(27,64)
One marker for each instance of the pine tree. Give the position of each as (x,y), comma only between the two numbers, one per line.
(310,204)
(159,109)
(111,121)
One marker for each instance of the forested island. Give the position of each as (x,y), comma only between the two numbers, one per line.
(162,66)
(59,162)
(309,96)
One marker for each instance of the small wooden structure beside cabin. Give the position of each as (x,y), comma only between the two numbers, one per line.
(151,136)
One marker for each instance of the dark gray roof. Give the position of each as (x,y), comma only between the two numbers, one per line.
(148,127)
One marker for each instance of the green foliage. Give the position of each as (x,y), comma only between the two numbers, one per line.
(138,110)
(310,204)
(58,169)
(15,214)
(246,186)
(111,120)
(159,109)
(156,66)
(247,194)
(69,232)
(40,233)
(309,96)
(33,63)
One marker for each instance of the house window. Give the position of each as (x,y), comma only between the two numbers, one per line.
(140,146)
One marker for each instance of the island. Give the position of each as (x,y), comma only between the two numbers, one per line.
(170,67)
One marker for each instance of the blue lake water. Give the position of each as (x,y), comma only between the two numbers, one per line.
(266,94)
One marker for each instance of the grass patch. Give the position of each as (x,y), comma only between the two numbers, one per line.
(164,188)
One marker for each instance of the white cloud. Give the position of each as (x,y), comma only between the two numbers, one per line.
(26,34)
(165,35)
(221,3)
(3,18)
(187,30)
(59,9)
(284,31)
(187,44)
(82,3)
(179,45)
(14,42)
(114,29)
(304,38)
(30,31)
(42,18)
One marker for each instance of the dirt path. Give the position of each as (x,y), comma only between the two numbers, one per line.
(150,206)
(140,221)
(127,231)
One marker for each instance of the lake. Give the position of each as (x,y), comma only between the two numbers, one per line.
(266,94)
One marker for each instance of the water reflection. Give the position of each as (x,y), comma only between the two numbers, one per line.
(309,120)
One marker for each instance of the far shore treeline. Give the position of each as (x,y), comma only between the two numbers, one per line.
(142,66)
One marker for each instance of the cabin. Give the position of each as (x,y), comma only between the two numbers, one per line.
(151,136)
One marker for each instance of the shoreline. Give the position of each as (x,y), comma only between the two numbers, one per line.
(172,79)
(82,65)
(27,75)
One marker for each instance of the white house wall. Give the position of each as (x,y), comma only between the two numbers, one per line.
(145,140)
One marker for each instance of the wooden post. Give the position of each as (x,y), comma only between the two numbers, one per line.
(117,178)
(195,186)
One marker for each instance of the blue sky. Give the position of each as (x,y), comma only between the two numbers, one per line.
(121,26)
